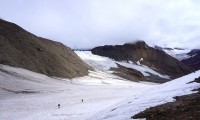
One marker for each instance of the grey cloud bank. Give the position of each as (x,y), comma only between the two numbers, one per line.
(90,23)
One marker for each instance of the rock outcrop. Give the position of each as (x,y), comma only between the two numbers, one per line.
(141,52)
(19,48)
(194,60)
(183,108)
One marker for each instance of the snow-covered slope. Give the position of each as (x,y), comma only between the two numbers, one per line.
(25,95)
(179,54)
(100,63)
(154,96)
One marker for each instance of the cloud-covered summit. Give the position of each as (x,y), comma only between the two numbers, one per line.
(90,23)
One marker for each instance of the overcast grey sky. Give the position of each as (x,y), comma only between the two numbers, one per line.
(90,23)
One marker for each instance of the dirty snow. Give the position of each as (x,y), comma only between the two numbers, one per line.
(154,96)
(25,95)
(105,63)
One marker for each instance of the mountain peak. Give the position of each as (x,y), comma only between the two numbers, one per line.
(138,42)
(152,58)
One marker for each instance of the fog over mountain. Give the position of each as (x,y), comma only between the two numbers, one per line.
(90,23)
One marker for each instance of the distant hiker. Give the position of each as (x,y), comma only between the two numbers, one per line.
(58,105)
(82,100)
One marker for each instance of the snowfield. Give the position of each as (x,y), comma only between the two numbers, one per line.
(26,95)
(105,63)
(160,94)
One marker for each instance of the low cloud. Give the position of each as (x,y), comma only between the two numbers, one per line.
(90,23)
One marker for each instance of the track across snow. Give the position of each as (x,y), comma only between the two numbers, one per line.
(160,94)
(25,95)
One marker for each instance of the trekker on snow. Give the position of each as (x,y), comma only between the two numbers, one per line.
(58,105)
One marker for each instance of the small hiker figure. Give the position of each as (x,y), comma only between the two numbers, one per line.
(82,100)
(58,105)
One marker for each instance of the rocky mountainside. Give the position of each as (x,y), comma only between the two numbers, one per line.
(178,53)
(19,48)
(184,108)
(141,53)
(194,59)
(187,56)
(194,52)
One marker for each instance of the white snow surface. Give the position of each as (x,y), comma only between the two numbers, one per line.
(178,54)
(104,64)
(25,95)
(157,95)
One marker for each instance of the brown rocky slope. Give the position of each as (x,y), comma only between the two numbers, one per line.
(185,107)
(19,48)
(153,58)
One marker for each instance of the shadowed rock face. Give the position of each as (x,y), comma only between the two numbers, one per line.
(193,61)
(194,52)
(140,51)
(19,48)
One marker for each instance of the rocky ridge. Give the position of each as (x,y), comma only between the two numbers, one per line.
(141,53)
(194,60)
(20,48)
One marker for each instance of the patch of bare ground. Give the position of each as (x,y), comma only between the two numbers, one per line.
(185,107)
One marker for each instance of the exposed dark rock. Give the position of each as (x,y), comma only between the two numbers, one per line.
(153,58)
(19,48)
(128,73)
(167,48)
(194,52)
(185,107)
(194,60)
(158,48)
(179,48)
(136,76)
